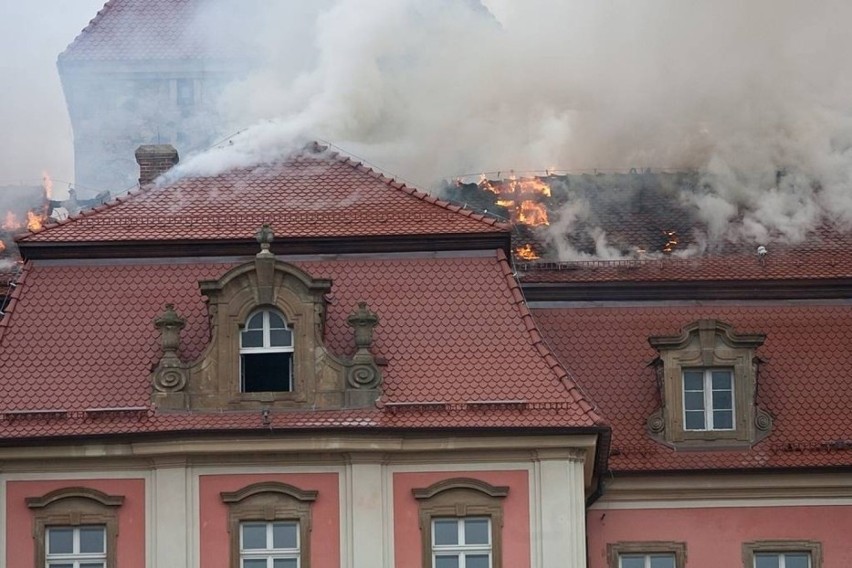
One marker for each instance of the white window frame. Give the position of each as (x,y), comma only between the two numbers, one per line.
(75,558)
(782,560)
(267,347)
(647,557)
(269,553)
(707,386)
(461,550)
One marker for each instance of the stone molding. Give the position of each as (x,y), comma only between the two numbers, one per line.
(614,550)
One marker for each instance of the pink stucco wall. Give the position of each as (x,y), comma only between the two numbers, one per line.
(325,515)
(20,548)
(516,514)
(714,536)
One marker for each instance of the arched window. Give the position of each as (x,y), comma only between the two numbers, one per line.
(266,353)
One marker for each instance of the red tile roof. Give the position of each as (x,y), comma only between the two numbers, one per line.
(315,193)
(828,254)
(142,30)
(804,382)
(454,331)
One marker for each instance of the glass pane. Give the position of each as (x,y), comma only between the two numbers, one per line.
(446,532)
(254,563)
(723,420)
(60,541)
(252,338)
(797,560)
(721,380)
(276,321)
(476,561)
(92,539)
(632,561)
(280,338)
(254,535)
(476,531)
(285,563)
(92,565)
(722,400)
(693,380)
(695,420)
(266,372)
(284,535)
(446,562)
(693,400)
(256,321)
(662,561)
(766,561)
(54,565)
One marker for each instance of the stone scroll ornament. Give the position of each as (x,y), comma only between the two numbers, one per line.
(170,376)
(363,373)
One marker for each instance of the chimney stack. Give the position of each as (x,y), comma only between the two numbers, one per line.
(154,160)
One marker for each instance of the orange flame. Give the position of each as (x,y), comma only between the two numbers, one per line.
(34,222)
(671,241)
(47,184)
(2,247)
(526,252)
(532,213)
(11,222)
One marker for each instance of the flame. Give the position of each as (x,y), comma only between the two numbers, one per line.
(507,203)
(532,213)
(2,247)
(531,185)
(671,241)
(11,222)
(47,184)
(34,222)
(526,252)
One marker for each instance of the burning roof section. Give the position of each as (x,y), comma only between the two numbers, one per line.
(313,194)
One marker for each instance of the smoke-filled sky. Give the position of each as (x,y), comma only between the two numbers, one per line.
(434,88)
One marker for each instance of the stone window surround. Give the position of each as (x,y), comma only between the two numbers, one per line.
(457,498)
(708,344)
(812,547)
(616,549)
(75,507)
(270,501)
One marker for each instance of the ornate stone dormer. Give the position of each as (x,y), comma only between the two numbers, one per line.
(266,346)
(707,377)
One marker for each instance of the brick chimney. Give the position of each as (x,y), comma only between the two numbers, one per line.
(153,160)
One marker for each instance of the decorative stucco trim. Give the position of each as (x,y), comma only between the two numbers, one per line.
(614,550)
(811,547)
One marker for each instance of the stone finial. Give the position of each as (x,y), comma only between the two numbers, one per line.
(170,375)
(363,321)
(363,374)
(265,236)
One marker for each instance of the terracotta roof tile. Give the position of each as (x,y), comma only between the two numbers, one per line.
(803,382)
(81,337)
(312,194)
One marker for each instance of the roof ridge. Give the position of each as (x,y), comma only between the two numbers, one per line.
(541,346)
(93,22)
(342,157)
(89,211)
(13,298)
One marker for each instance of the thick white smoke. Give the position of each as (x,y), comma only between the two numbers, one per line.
(429,89)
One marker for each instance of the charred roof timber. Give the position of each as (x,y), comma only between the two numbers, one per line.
(155,160)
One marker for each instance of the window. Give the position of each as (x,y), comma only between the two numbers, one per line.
(708,399)
(461,543)
(266,353)
(646,561)
(461,522)
(782,554)
(647,554)
(269,545)
(75,527)
(76,547)
(270,525)
(708,379)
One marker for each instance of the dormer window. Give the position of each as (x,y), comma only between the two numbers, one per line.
(707,378)
(266,353)
(708,399)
